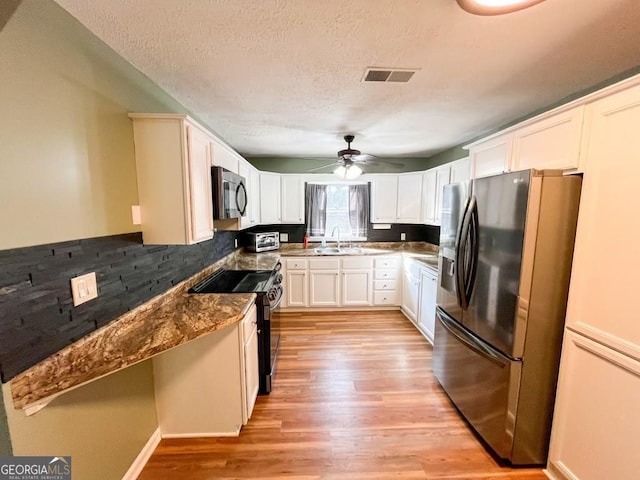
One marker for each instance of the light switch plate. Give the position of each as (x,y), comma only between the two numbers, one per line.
(136,217)
(284,237)
(84,288)
(403,236)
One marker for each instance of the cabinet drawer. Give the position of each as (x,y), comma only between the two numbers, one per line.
(324,263)
(357,263)
(385,274)
(385,297)
(387,262)
(296,264)
(384,285)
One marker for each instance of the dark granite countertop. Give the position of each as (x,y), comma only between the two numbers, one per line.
(166,321)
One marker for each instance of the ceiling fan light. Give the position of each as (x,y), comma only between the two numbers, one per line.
(341,171)
(495,7)
(353,171)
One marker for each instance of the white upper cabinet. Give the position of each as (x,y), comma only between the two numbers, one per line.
(491,157)
(224,157)
(292,192)
(384,198)
(432,183)
(270,198)
(602,284)
(173,166)
(552,143)
(200,201)
(409,198)
(460,170)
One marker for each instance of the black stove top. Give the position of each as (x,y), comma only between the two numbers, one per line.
(236,281)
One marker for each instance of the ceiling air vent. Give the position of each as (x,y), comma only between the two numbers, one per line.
(401,75)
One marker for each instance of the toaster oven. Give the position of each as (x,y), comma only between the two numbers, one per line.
(262,242)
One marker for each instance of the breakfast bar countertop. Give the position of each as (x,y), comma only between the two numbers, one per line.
(164,322)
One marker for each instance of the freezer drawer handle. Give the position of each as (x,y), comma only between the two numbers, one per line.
(470,342)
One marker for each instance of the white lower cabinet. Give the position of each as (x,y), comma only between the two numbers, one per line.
(596,423)
(410,289)
(386,272)
(208,386)
(324,288)
(356,288)
(427,309)
(296,288)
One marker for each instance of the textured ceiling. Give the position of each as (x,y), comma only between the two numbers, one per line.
(283,77)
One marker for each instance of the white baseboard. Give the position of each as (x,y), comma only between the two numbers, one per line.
(143,457)
(200,435)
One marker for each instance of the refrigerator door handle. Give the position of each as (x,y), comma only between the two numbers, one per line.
(472,343)
(459,274)
(462,254)
(472,259)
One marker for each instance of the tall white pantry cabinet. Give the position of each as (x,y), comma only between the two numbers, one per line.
(596,423)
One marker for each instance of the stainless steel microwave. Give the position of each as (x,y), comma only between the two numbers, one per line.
(229,193)
(262,242)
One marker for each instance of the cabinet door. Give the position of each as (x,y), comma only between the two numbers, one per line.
(356,287)
(199,170)
(460,170)
(296,288)
(427,310)
(252,377)
(244,171)
(491,157)
(442,179)
(292,199)
(596,423)
(409,198)
(254,196)
(269,198)
(410,289)
(429,192)
(324,288)
(604,283)
(552,143)
(384,199)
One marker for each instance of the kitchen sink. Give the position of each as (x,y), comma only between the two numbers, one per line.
(338,251)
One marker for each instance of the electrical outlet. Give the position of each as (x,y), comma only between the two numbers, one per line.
(284,237)
(84,288)
(403,236)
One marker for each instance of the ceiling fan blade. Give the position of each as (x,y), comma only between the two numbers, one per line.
(331,165)
(363,157)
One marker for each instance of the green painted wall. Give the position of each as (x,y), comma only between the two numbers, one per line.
(66,143)
(300,165)
(102,425)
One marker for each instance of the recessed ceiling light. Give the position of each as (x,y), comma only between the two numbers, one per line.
(495,7)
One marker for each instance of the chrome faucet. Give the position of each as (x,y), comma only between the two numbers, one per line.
(334,231)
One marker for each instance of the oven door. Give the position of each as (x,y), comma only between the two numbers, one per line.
(479,380)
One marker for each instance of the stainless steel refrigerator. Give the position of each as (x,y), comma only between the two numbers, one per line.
(506,244)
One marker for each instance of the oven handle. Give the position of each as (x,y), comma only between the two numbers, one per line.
(276,303)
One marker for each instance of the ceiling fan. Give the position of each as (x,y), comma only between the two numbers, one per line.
(349,161)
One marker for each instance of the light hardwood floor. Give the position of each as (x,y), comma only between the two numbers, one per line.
(353,398)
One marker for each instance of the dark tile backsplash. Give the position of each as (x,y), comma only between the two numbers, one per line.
(37,317)
(415,233)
